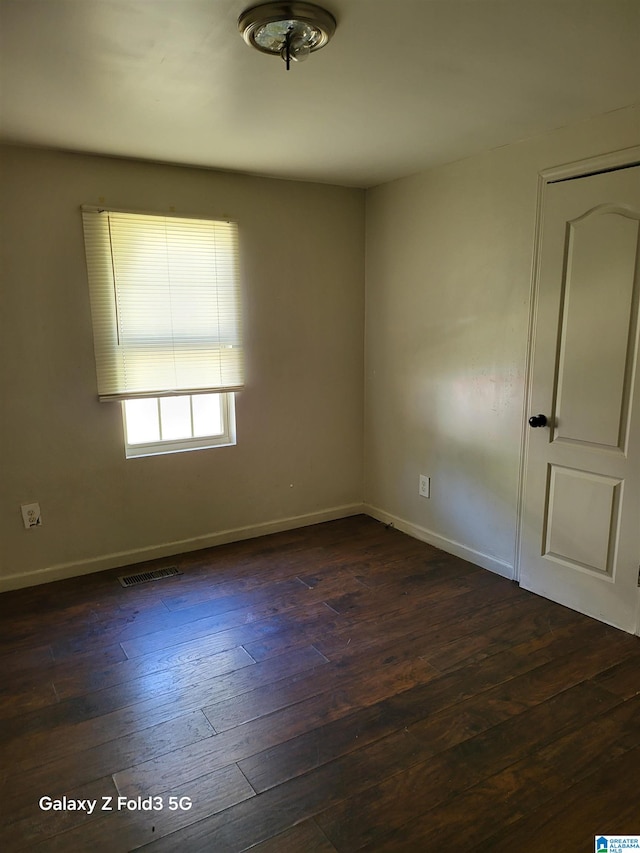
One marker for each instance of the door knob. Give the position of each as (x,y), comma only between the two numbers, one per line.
(538,421)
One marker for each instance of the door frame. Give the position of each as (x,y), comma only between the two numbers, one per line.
(614,160)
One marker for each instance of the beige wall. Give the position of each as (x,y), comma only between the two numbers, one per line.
(299,420)
(448,260)
(448,264)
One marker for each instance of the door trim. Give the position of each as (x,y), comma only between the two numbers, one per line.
(578,169)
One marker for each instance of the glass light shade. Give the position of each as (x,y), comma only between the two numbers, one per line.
(299,49)
(270,26)
(272,36)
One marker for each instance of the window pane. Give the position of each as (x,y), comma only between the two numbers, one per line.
(175,416)
(141,417)
(207,415)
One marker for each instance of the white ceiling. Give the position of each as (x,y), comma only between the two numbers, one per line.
(404,84)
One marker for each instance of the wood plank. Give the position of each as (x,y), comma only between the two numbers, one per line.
(364,817)
(242,741)
(375,676)
(526,787)
(208,795)
(91,721)
(18,701)
(441,730)
(376,602)
(28,825)
(211,614)
(441,702)
(82,665)
(446,620)
(190,630)
(306,837)
(238,635)
(81,763)
(199,660)
(332,694)
(16,663)
(623,679)
(341,780)
(598,805)
(272,812)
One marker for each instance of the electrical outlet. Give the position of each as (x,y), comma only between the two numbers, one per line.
(424,489)
(31,515)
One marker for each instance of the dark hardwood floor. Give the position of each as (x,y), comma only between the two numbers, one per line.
(341,687)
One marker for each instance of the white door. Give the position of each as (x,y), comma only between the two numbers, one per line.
(580,541)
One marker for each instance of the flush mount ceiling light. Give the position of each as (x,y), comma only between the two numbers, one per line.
(289,30)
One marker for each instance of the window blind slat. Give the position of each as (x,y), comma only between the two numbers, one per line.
(165,304)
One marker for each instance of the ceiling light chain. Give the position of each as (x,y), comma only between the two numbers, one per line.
(287,49)
(289,30)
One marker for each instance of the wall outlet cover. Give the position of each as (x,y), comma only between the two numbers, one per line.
(31,515)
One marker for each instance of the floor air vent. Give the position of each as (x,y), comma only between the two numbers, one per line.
(145,577)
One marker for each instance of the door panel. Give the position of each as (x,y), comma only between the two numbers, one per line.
(581,513)
(592,359)
(582,519)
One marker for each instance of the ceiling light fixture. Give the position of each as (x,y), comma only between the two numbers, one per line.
(289,30)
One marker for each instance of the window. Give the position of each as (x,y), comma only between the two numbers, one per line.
(171,424)
(167,327)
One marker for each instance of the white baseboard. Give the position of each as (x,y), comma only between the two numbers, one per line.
(169,549)
(485,561)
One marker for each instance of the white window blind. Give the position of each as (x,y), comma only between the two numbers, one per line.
(165,304)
